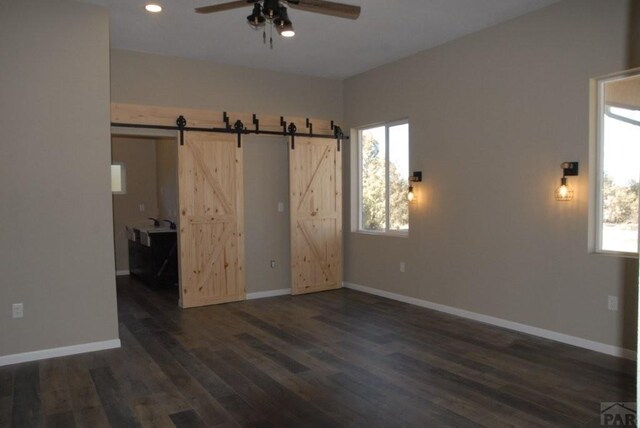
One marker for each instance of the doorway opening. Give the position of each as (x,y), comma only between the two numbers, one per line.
(145,210)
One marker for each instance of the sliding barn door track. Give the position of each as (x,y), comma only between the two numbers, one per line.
(288,129)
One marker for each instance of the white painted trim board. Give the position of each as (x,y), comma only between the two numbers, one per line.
(616,351)
(58,352)
(269,293)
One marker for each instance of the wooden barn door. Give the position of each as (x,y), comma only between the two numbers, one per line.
(315,169)
(211,219)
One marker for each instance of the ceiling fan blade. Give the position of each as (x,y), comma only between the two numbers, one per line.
(224,6)
(324,7)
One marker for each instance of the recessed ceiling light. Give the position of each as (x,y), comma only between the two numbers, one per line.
(153,8)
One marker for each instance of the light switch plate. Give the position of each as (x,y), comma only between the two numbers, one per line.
(17,310)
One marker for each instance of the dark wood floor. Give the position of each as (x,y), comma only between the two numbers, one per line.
(340,358)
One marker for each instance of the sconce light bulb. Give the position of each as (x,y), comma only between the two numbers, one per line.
(563,191)
(410,194)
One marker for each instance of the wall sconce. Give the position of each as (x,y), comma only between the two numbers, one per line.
(416,177)
(565,192)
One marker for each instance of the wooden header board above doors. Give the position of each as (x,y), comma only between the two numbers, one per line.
(166,116)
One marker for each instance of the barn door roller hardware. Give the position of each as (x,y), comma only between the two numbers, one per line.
(292,131)
(239,128)
(338,134)
(181,122)
(288,129)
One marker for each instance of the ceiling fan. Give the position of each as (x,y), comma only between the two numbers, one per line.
(273,12)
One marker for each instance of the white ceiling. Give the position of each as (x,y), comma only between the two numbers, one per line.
(324,46)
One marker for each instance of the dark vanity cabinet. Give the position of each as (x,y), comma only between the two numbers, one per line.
(153,256)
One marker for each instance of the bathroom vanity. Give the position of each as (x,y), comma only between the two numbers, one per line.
(153,255)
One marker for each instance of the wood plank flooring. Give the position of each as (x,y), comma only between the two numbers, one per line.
(339,358)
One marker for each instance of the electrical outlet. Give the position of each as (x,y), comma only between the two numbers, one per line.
(141,207)
(402,267)
(280,207)
(273,264)
(17,310)
(612,303)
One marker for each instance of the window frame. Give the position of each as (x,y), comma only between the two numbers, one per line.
(599,165)
(386,231)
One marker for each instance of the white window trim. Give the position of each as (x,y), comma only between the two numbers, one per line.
(358,184)
(599,165)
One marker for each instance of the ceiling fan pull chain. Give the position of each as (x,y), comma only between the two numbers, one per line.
(264,36)
(271,37)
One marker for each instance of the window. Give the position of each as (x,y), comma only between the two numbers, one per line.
(118,179)
(383,178)
(618,164)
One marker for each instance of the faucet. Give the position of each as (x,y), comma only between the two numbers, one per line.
(172,225)
(156,222)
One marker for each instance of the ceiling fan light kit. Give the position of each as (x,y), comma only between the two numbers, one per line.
(256,20)
(283,23)
(276,14)
(270,9)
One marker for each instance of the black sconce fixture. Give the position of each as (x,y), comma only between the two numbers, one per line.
(416,177)
(564,193)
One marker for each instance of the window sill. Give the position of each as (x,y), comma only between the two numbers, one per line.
(383,234)
(616,254)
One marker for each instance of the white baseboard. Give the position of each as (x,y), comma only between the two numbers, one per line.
(270,293)
(523,328)
(58,352)
(122,272)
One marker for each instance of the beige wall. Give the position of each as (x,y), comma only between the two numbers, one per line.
(167,178)
(492,116)
(55,215)
(139,158)
(138,78)
(266,230)
(158,80)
